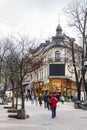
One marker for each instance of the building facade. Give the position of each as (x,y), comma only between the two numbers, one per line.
(52,69)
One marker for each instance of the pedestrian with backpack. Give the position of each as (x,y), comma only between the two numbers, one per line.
(53,105)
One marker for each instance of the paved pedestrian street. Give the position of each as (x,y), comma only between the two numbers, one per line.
(67,118)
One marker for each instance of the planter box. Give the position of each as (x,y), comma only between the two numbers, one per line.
(77,105)
(13,116)
(84,106)
(21,114)
(12,111)
(7,107)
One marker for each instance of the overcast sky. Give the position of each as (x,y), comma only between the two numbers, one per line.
(38,18)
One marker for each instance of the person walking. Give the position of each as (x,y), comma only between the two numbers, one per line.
(45,98)
(62,99)
(36,99)
(53,105)
(40,99)
(32,99)
(48,105)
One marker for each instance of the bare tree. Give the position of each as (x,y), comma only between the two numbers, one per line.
(4,47)
(75,63)
(18,62)
(77,14)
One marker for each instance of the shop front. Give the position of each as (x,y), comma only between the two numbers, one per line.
(45,88)
(58,85)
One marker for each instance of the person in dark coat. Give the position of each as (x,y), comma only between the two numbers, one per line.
(40,99)
(45,98)
(53,104)
(48,105)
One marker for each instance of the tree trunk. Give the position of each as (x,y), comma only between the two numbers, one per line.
(75,70)
(23,104)
(17,99)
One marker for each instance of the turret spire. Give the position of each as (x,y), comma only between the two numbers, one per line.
(59,28)
(58,18)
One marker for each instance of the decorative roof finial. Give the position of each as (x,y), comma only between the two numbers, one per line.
(59,28)
(58,18)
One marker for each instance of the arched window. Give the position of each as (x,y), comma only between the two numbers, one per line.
(57,56)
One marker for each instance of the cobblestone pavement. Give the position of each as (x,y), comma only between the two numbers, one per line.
(67,118)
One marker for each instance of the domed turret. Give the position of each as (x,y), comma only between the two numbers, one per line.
(59,30)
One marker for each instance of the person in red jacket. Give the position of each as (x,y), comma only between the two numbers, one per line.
(53,104)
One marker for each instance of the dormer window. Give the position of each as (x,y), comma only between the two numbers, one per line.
(57,56)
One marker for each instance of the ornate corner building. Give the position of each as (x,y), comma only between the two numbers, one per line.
(52,68)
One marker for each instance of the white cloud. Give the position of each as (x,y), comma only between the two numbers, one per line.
(36,17)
